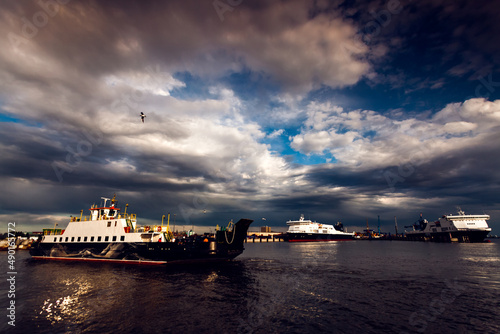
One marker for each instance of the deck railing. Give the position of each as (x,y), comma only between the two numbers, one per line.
(131,216)
(52,231)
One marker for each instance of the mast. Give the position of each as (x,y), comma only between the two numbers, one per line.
(396,224)
(168,222)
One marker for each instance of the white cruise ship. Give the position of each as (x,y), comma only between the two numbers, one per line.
(307,230)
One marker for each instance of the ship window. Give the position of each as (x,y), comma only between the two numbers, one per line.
(72,239)
(114,238)
(91,238)
(66,239)
(122,238)
(79,239)
(115,223)
(84,238)
(106,238)
(98,238)
(60,239)
(109,224)
(55,239)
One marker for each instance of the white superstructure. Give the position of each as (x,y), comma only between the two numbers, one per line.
(105,224)
(308,226)
(466,222)
(453,223)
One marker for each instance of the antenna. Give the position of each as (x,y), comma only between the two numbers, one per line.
(105,200)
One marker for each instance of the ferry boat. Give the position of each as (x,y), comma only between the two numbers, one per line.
(112,236)
(451,228)
(306,230)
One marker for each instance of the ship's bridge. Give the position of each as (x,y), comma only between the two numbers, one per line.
(104,211)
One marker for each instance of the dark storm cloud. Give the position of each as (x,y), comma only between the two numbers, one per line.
(77,83)
(429,42)
(468,173)
(114,36)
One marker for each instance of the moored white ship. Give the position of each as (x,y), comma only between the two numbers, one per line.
(303,230)
(451,228)
(109,235)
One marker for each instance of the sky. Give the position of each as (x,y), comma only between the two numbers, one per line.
(338,110)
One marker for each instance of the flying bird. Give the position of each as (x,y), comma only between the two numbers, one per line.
(142,117)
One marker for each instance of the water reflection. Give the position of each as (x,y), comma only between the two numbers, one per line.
(212,277)
(56,309)
(316,253)
(73,298)
(284,280)
(284,287)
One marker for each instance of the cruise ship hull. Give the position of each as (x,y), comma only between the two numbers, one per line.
(454,236)
(317,237)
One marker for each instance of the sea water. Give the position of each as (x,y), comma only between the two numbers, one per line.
(335,287)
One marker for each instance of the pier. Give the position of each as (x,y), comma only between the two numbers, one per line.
(264,237)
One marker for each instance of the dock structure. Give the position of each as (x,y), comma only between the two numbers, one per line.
(264,237)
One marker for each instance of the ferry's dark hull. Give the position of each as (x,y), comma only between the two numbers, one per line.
(316,237)
(455,236)
(225,246)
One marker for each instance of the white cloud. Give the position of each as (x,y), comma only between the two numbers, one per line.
(151,80)
(276,133)
(318,51)
(459,127)
(317,142)
(391,142)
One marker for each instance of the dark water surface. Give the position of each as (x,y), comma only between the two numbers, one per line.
(338,287)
